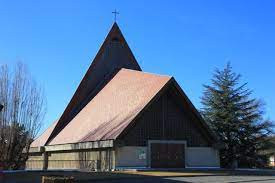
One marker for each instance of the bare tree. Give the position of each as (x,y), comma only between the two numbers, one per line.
(22,115)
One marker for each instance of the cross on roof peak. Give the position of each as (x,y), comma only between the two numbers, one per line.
(115,14)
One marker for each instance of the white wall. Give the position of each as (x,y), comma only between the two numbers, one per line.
(131,156)
(202,157)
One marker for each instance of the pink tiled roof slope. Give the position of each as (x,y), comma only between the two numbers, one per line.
(113,108)
(41,140)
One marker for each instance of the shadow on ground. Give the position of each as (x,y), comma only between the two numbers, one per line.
(157,176)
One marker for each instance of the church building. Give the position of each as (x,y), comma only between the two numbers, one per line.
(121,117)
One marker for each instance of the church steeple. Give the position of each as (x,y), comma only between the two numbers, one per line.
(113,55)
(115,50)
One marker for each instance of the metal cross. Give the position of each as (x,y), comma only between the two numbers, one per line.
(115,13)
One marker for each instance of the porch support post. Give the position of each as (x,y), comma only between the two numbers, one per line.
(45,158)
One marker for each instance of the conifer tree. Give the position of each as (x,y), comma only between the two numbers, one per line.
(237,119)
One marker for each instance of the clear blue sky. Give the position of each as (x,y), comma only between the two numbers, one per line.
(185,39)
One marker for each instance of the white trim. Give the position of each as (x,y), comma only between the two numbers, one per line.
(80,146)
(73,146)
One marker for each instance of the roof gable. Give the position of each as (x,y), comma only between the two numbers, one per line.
(195,113)
(183,101)
(113,55)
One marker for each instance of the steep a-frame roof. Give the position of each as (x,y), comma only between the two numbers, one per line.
(113,55)
(113,108)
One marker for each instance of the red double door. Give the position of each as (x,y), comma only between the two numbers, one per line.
(165,155)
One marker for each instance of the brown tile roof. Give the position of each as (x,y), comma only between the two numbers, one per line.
(41,140)
(113,108)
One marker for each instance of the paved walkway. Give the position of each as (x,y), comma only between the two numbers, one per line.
(225,179)
(202,179)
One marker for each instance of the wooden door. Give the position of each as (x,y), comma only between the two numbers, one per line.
(164,155)
(158,157)
(175,153)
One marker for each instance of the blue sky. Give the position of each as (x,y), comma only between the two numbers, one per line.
(185,39)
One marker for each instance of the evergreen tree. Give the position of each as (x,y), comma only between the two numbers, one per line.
(237,119)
